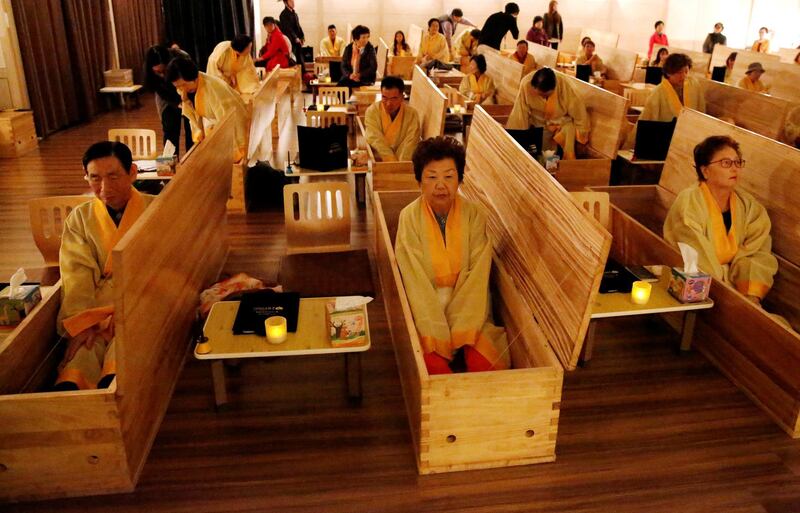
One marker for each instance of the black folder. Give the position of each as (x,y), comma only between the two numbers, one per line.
(653,75)
(256,307)
(583,72)
(653,139)
(718,73)
(323,149)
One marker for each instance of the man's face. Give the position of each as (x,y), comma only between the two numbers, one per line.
(289,3)
(392,100)
(522,50)
(185,85)
(717,29)
(332,33)
(457,19)
(110,182)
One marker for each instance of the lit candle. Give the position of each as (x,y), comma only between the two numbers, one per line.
(640,292)
(320,107)
(327,80)
(276,329)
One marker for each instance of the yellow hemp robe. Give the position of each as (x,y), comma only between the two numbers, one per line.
(481,90)
(448,285)
(391,139)
(237,72)
(87,286)
(664,103)
(213,100)
(528,66)
(748,85)
(742,256)
(434,48)
(328,49)
(563,114)
(467,47)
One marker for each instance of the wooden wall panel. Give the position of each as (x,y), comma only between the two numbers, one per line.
(772,174)
(553,249)
(620,63)
(700,60)
(571,40)
(414,38)
(506,73)
(600,37)
(430,103)
(544,56)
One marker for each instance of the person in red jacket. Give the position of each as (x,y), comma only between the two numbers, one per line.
(658,38)
(275,51)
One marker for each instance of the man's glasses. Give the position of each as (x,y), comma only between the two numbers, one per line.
(727,163)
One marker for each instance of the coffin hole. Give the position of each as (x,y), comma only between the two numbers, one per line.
(451,438)
(93,460)
(529,433)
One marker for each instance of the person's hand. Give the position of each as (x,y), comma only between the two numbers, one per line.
(298,40)
(355,77)
(85,338)
(755,299)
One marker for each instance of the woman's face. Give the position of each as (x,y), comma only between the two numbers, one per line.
(398,38)
(439,184)
(434,28)
(717,176)
(662,54)
(472,68)
(362,41)
(762,33)
(660,28)
(679,77)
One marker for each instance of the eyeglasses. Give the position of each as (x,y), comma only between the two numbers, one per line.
(727,163)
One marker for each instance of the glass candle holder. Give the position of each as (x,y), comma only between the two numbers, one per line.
(276,329)
(640,292)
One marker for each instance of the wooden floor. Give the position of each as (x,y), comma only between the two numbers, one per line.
(642,429)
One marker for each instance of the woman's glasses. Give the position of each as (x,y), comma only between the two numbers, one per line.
(727,163)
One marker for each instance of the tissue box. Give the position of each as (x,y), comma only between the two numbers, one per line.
(118,77)
(347,328)
(689,287)
(14,309)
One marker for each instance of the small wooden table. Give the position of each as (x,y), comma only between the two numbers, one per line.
(311,338)
(619,304)
(122,91)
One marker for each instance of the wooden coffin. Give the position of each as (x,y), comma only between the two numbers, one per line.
(429,102)
(544,242)
(57,444)
(385,176)
(17,133)
(544,55)
(744,341)
(700,60)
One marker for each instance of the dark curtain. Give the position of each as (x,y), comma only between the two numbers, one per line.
(64,45)
(139,25)
(199,25)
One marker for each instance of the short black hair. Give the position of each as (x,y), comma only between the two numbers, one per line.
(763,28)
(732,57)
(480,61)
(358,31)
(511,8)
(720,25)
(676,62)
(457,12)
(182,67)
(240,42)
(705,150)
(659,22)
(522,42)
(537,19)
(104,149)
(439,148)
(391,82)
(588,42)
(430,22)
(544,80)
(332,26)
(476,33)
(156,55)
(269,19)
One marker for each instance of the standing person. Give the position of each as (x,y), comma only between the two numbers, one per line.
(168,101)
(448,25)
(231,62)
(523,57)
(359,62)
(536,34)
(290,26)
(433,51)
(715,38)
(762,43)
(333,45)
(553,25)
(498,24)
(275,51)
(658,38)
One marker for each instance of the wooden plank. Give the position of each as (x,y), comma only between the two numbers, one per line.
(506,74)
(620,63)
(576,175)
(759,113)
(547,242)
(781,78)
(721,54)
(383,55)
(772,174)
(182,237)
(414,38)
(700,60)
(544,55)
(607,113)
(430,103)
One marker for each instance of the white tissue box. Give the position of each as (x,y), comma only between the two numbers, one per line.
(14,308)
(689,287)
(347,328)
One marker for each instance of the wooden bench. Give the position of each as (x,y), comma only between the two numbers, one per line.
(759,113)
(745,342)
(58,444)
(549,255)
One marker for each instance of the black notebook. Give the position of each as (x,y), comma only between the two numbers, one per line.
(616,278)
(653,75)
(583,72)
(323,149)
(653,139)
(718,73)
(256,307)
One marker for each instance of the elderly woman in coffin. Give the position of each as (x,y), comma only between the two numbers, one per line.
(445,258)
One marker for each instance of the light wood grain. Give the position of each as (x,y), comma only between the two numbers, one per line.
(700,60)
(429,102)
(721,54)
(571,40)
(47,223)
(141,141)
(544,55)
(506,74)
(317,217)
(541,254)
(781,78)
(788,55)
(576,175)
(414,38)
(383,54)
(620,63)
(402,67)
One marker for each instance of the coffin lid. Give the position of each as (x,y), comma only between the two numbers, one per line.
(553,250)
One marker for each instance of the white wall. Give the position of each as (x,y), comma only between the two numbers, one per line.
(688,21)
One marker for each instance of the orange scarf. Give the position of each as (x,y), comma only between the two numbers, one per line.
(445,258)
(200,98)
(672,97)
(725,244)
(111,233)
(391,127)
